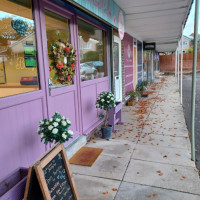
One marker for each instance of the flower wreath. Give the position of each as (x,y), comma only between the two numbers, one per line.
(63,58)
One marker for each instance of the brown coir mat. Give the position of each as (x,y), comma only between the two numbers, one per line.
(85,156)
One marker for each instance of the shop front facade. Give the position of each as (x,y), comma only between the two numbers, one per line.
(31,87)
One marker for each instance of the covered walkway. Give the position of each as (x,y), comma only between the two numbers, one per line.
(148,158)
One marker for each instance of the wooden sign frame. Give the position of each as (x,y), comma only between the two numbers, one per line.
(41,163)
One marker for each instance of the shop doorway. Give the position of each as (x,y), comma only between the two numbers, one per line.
(117,68)
(62,94)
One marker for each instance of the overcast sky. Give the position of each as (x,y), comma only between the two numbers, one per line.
(189,27)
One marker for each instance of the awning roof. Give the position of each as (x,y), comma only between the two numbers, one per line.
(157,21)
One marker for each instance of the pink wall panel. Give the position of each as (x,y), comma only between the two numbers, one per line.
(129,87)
(128,49)
(128,79)
(128,61)
(128,70)
(20,144)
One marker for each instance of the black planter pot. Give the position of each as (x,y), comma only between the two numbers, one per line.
(106,132)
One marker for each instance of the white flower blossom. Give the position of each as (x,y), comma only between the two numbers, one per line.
(47,123)
(108,101)
(63,117)
(112,98)
(57,112)
(50,127)
(64,136)
(42,135)
(102,100)
(68,121)
(55,130)
(41,122)
(70,132)
(38,130)
(51,120)
(108,97)
(64,123)
(57,120)
(55,124)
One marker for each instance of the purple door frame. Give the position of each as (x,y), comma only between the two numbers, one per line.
(66,107)
(83,114)
(90,115)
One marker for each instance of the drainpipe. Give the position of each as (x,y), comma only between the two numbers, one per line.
(196,24)
(182,67)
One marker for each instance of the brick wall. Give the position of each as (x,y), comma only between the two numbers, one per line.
(167,62)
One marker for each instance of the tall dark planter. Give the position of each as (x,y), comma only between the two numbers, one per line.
(106,132)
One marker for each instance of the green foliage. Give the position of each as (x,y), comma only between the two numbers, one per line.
(142,86)
(133,94)
(189,50)
(105,100)
(55,129)
(91,56)
(145,83)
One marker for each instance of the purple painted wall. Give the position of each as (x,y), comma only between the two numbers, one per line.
(128,62)
(20,144)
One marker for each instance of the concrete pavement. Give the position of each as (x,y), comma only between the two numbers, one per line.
(148,158)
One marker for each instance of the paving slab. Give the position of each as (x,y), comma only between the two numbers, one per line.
(164,140)
(131,191)
(174,177)
(158,129)
(114,148)
(163,155)
(92,188)
(104,167)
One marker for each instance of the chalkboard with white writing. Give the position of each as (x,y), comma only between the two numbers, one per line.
(57,179)
(54,177)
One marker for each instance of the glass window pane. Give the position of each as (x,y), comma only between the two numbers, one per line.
(18,59)
(92,51)
(58,35)
(116,58)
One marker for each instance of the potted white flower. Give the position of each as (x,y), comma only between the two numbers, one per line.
(106,101)
(55,129)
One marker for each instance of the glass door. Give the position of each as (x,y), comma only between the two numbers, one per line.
(60,65)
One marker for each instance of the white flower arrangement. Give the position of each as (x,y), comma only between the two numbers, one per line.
(105,101)
(55,129)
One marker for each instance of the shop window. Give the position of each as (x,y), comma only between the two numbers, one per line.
(58,33)
(92,51)
(18,59)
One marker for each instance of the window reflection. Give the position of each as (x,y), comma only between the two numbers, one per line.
(18,60)
(92,51)
(57,30)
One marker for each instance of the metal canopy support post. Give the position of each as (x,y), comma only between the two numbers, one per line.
(178,66)
(196,24)
(176,63)
(182,67)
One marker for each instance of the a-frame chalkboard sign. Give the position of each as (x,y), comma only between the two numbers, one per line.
(50,178)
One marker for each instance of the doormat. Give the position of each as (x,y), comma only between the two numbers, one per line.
(85,156)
